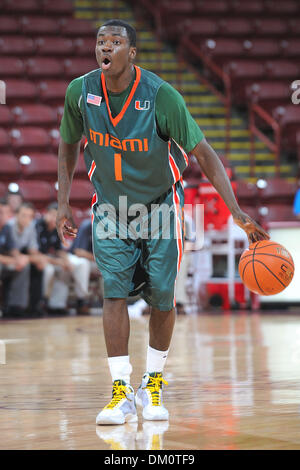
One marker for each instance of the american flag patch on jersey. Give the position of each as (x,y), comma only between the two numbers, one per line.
(94,99)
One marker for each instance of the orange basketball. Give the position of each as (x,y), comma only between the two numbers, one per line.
(266,267)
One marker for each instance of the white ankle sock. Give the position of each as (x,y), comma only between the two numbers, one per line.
(120,368)
(156,360)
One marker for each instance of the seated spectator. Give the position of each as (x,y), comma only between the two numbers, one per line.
(14,200)
(61,268)
(25,239)
(14,269)
(82,248)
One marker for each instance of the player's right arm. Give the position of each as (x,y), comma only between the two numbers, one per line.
(71,131)
(67,159)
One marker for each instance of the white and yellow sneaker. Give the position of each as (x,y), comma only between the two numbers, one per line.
(121,409)
(149,396)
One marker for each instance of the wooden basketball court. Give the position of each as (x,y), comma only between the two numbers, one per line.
(234,383)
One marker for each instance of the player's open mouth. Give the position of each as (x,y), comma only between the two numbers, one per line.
(106,63)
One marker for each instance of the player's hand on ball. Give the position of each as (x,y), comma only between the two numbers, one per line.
(65,224)
(254,231)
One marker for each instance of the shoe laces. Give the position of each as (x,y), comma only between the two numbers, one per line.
(119,393)
(154,385)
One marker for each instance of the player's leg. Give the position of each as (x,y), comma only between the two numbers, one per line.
(161,327)
(116,329)
(116,260)
(121,408)
(162,264)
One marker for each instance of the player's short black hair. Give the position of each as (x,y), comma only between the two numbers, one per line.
(131,32)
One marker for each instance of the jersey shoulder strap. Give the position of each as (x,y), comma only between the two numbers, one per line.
(92,81)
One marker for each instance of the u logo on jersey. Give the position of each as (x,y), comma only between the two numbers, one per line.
(142,107)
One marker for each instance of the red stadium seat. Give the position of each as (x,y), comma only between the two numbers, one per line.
(298,147)
(223,49)
(60,112)
(17,45)
(236,27)
(262,48)
(11,67)
(215,7)
(25,6)
(282,68)
(30,139)
(48,45)
(184,7)
(44,67)
(40,193)
(241,69)
(255,7)
(3,189)
(44,168)
(85,46)
(58,7)
(246,193)
(269,94)
(278,190)
(294,25)
(200,27)
(81,193)
(33,25)
(171,15)
(9,167)
(289,120)
(35,114)
(271,27)
(287,7)
(4,140)
(276,213)
(76,67)
(81,171)
(38,155)
(6,116)
(242,74)
(53,90)
(9,25)
(54,136)
(17,90)
(77,27)
(291,48)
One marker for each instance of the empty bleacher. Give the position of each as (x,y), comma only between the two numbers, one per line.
(251,49)
(45,44)
(42,48)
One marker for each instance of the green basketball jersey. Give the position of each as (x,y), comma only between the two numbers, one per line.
(124,154)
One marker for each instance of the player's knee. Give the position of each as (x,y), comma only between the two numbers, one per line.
(113,306)
(163,297)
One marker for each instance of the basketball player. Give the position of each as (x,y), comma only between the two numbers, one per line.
(138,130)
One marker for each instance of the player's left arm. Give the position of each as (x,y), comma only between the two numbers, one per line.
(175,121)
(214,170)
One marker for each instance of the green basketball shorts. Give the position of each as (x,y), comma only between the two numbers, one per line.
(141,255)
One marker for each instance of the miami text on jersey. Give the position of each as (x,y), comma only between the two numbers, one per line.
(108,140)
